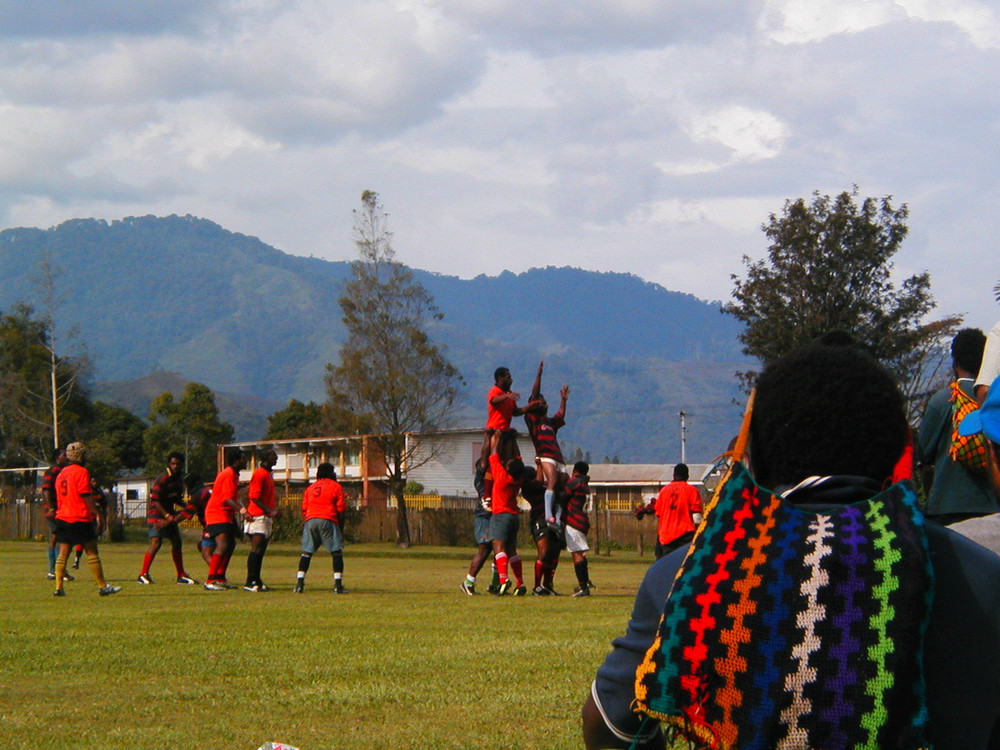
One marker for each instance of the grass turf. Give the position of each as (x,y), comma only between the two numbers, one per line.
(405,660)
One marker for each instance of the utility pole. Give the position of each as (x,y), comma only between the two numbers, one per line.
(683,437)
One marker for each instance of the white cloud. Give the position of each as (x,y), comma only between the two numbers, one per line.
(636,135)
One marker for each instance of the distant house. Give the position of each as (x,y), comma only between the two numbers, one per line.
(623,486)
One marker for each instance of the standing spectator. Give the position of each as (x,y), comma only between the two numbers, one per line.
(49,498)
(165,500)
(78,519)
(323,509)
(220,518)
(578,524)
(261,511)
(678,510)
(956,492)
(799,603)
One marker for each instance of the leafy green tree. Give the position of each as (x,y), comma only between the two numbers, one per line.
(829,268)
(28,369)
(391,374)
(190,425)
(299,420)
(120,434)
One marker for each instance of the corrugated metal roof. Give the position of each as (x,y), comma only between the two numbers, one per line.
(642,473)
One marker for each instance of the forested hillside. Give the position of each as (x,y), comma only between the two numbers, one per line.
(183,295)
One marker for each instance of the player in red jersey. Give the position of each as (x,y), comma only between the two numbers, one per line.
(261,512)
(323,508)
(501,407)
(678,508)
(504,523)
(220,518)
(79,520)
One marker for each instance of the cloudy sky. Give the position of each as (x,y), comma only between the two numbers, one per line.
(644,136)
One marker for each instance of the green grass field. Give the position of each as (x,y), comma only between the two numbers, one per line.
(405,660)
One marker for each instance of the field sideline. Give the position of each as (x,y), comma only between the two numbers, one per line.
(405,660)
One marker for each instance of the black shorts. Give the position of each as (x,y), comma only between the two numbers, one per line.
(80,532)
(541,529)
(214,529)
(170,531)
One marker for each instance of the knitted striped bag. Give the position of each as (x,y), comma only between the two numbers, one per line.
(793,629)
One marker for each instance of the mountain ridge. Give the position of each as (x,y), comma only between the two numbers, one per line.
(183,294)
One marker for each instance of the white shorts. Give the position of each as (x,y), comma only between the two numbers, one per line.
(576,540)
(560,468)
(259,525)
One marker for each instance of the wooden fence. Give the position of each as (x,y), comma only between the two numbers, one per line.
(443,526)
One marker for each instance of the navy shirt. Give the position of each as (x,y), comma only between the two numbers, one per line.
(961,651)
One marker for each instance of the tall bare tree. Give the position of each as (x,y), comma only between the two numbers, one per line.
(391,374)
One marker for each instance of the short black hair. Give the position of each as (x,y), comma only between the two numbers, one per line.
(499,373)
(176,454)
(233,455)
(681,472)
(967,349)
(57,453)
(581,467)
(826,410)
(515,467)
(326,471)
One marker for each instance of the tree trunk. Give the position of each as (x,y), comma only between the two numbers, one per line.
(402,523)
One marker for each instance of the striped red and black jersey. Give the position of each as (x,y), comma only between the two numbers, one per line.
(575,513)
(534,492)
(168,491)
(543,434)
(49,485)
(196,505)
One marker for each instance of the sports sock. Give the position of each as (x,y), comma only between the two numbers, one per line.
(253,567)
(338,562)
(539,572)
(496,576)
(581,571)
(304,561)
(470,579)
(53,554)
(550,573)
(501,561)
(147,561)
(214,566)
(60,571)
(178,554)
(79,551)
(96,569)
(550,496)
(515,564)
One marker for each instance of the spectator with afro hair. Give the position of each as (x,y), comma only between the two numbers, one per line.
(827,428)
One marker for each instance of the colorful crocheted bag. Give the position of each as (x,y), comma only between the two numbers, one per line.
(787,628)
(968,450)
